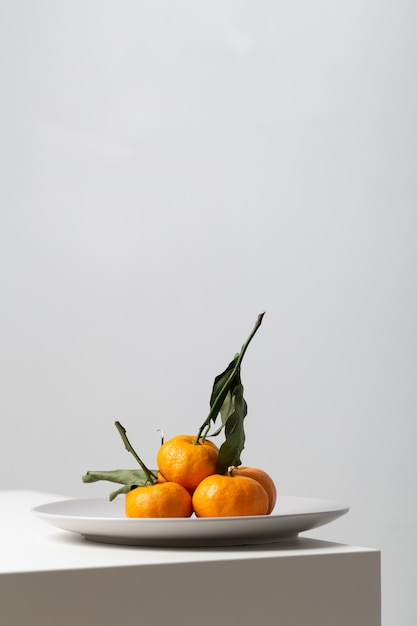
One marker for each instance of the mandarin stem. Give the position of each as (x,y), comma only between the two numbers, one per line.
(217,404)
(122,432)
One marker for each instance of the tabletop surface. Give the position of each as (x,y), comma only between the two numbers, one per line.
(29,544)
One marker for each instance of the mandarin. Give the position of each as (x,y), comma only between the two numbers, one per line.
(263,478)
(184,461)
(159,500)
(229,496)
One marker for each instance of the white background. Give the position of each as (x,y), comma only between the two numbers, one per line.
(171,169)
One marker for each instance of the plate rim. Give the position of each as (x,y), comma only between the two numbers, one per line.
(190,532)
(333,507)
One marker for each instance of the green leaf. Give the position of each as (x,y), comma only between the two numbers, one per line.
(223,385)
(126,477)
(221,380)
(118,492)
(234,444)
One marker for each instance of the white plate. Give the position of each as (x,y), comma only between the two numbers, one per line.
(100,520)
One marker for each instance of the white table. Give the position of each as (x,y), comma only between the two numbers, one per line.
(50,577)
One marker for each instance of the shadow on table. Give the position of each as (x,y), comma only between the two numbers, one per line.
(300,543)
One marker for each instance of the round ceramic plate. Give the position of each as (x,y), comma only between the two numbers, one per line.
(100,520)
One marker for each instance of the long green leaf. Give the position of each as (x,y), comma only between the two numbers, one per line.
(118,492)
(221,380)
(231,449)
(126,477)
(224,383)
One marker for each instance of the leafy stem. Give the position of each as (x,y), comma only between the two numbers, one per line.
(221,396)
(122,432)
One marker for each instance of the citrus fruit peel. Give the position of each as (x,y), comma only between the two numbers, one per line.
(159,500)
(261,477)
(187,462)
(227,495)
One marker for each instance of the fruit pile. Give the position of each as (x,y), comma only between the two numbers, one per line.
(193,475)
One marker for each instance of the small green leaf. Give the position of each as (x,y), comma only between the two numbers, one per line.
(224,384)
(128,478)
(223,388)
(234,444)
(116,493)
(222,379)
